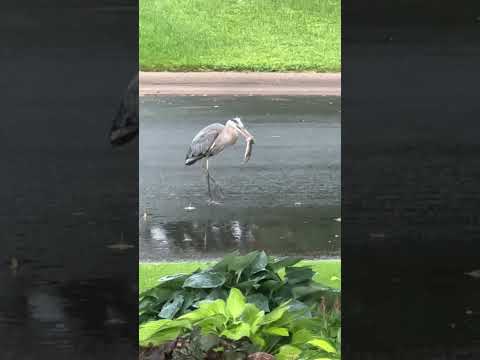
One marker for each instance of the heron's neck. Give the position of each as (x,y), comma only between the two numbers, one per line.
(231,135)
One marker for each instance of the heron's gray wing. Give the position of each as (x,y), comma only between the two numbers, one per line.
(204,140)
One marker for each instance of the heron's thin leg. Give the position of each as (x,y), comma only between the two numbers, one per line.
(208,178)
(205,240)
(217,187)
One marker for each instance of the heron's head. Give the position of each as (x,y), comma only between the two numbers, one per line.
(237,124)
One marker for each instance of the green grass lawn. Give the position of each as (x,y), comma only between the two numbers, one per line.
(150,273)
(257,35)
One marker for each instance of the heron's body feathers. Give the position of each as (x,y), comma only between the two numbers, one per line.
(202,142)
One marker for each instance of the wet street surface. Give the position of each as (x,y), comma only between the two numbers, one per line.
(285,200)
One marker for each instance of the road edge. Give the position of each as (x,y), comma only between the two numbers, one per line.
(239,84)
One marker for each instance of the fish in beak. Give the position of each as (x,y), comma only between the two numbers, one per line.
(248,150)
(249,139)
(238,125)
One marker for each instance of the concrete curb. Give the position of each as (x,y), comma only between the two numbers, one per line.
(239,83)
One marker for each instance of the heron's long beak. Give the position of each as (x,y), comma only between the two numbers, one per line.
(245,133)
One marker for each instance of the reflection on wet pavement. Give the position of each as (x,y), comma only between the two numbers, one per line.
(303,233)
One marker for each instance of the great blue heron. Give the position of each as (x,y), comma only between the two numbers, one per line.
(125,124)
(212,140)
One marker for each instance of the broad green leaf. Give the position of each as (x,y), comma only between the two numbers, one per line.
(339,335)
(196,315)
(198,295)
(161,337)
(299,292)
(272,284)
(150,328)
(159,293)
(298,275)
(315,324)
(170,309)
(281,274)
(299,306)
(282,293)
(264,275)
(322,344)
(313,294)
(248,285)
(259,341)
(284,262)
(227,260)
(302,337)
(316,354)
(279,331)
(218,293)
(235,303)
(276,314)
(290,319)
(239,263)
(212,324)
(205,280)
(258,264)
(213,307)
(146,302)
(173,281)
(188,299)
(253,317)
(209,341)
(260,301)
(288,352)
(237,332)
(205,310)
(144,318)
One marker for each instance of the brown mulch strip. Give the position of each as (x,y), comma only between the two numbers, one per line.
(165,353)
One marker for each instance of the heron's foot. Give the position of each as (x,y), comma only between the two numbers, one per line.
(217,189)
(212,202)
(218,196)
(219,192)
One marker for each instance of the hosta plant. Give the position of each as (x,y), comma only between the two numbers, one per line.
(233,319)
(289,330)
(266,282)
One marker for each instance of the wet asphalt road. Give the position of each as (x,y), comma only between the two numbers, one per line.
(285,200)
